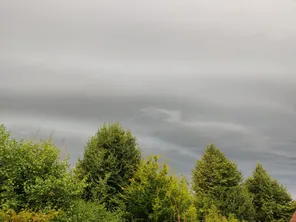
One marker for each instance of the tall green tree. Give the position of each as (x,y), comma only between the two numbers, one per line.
(153,195)
(271,200)
(217,182)
(33,177)
(110,159)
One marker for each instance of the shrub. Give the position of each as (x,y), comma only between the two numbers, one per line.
(27,216)
(89,212)
(33,177)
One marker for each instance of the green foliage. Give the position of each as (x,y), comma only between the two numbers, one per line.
(271,200)
(27,216)
(88,211)
(213,215)
(110,160)
(181,199)
(153,195)
(214,173)
(216,182)
(112,183)
(239,202)
(294,205)
(32,175)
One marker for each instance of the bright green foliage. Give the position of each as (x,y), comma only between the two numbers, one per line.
(88,211)
(110,159)
(216,181)
(214,215)
(32,176)
(272,202)
(145,195)
(155,196)
(181,199)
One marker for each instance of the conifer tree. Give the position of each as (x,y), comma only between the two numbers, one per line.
(272,202)
(217,182)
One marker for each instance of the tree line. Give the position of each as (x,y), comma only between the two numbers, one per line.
(114,182)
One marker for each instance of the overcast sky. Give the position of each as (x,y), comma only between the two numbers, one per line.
(179,74)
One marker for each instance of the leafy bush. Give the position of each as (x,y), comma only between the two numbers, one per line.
(33,177)
(89,212)
(27,216)
(154,195)
(214,215)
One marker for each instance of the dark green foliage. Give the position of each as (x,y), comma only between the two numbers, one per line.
(214,173)
(272,202)
(216,181)
(110,159)
(32,175)
(238,202)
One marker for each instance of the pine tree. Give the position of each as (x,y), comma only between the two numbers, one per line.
(272,202)
(217,181)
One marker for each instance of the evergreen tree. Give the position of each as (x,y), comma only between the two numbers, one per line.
(110,159)
(217,181)
(215,173)
(238,201)
(272,202)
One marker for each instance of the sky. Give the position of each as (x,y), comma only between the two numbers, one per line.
(179,74)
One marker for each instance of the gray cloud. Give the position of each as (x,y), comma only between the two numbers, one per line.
(179,74)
